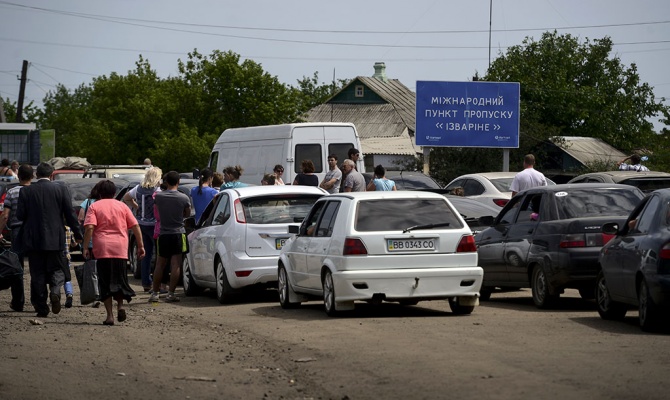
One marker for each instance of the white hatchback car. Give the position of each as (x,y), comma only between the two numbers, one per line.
(238,238)
(401,246)
(490,188)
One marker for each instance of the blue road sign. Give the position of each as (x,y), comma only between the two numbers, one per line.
(467,114)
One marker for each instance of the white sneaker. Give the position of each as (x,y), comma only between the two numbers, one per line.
(171,298)
(153,298)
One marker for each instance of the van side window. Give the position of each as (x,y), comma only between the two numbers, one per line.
(308,152)
(213,160)
(341,150)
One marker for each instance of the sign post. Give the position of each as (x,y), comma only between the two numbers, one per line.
(467,114)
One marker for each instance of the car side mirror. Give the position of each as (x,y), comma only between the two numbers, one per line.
(294,229)
(611,228)
(486,220)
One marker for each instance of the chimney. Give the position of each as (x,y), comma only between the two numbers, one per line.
(380,72)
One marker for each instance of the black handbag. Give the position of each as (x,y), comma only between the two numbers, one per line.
(10,269)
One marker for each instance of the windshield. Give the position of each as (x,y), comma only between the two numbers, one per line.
(280,209)
(399,214)
(593,203)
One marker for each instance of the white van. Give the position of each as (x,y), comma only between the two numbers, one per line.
(258,149)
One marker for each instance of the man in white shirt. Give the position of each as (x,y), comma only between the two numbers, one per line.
(635,164)
(529,177)
(331,182)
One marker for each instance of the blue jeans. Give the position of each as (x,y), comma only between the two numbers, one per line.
(148,241)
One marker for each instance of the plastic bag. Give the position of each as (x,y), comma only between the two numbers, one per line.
(10,269)
(87,278)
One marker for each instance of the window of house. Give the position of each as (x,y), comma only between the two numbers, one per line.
(359,90)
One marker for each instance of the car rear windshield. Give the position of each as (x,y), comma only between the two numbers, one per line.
(502,184)
(596,202)
(399,214)
(279,209)
(649,184)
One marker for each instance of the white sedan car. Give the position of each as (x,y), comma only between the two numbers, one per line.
(490,188)
(238,238)
(401,246)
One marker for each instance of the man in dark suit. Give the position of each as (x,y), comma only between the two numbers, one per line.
(43,206)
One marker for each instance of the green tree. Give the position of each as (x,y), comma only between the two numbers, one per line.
(30,111)
(237,94)
(578,89)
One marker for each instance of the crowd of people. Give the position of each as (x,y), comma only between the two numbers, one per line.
(44,227)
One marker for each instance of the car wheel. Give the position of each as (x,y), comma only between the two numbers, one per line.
(649,313)
(485,293)
(329,293)
(540,288)
(190,287)
(224,292)
(607,308)
(458,309)
(284,289)
(135,263)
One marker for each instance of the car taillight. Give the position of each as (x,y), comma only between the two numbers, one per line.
(665,252)
(569,241)
(354,247)
(583,240)
(500,202)
(242,274)
(607,238)
(466,245)
(239,212)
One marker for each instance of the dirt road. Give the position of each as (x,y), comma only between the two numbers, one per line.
(199,349)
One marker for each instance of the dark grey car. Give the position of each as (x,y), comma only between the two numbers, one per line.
(636,264)
(549,238)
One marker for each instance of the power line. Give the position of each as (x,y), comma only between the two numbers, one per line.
(63,69)
(114,19)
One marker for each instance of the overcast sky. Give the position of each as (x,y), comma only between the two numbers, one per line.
(72,41)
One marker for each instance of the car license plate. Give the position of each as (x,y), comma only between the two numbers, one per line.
(279,243)
(410,244)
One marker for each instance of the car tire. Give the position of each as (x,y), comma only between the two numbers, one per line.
(134,262)
(485,293)
(284,288)
(607,308)
(190,287)
(650,316)
(224,292)
(540,287)
(329,293)
(458,309)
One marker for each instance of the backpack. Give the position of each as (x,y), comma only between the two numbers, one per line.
(145,202)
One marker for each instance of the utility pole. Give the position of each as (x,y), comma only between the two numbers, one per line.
(22,92)
(2,112)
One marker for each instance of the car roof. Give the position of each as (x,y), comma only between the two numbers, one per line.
(578,186)
(623,175)
(490,175)
(395,194)
(246,191)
